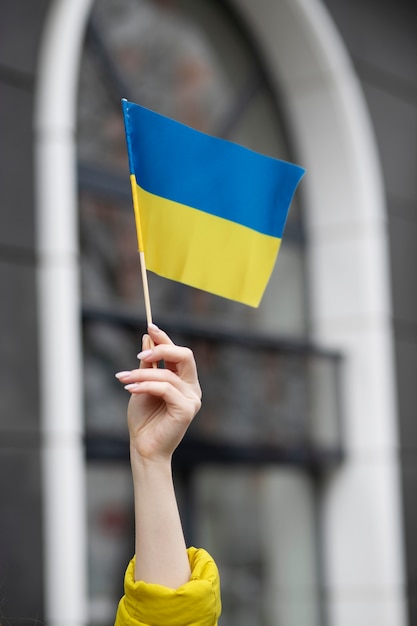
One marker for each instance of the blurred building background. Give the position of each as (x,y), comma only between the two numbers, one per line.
(299,474)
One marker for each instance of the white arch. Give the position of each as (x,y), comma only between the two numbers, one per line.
(59,314)
(349,286)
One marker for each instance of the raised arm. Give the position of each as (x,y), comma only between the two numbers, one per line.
(162,405)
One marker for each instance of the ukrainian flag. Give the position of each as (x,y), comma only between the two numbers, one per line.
(209,213)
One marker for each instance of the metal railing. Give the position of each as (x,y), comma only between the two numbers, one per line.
(265,399)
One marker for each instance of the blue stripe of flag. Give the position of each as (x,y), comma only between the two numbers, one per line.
(219,177)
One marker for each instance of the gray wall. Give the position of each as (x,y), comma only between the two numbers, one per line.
(381,37)
(20,508)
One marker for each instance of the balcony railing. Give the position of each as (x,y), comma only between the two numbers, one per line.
(265,399)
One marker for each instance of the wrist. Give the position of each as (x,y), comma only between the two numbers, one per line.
(143,463)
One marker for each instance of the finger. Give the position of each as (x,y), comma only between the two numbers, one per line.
(186,407)
(177,359)
(157,335)
(160,375)
(146,345)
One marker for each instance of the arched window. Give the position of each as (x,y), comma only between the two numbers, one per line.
(194,61)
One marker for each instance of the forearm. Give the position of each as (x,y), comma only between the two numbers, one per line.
(161,555)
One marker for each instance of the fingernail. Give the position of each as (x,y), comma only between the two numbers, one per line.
(122,374)
(153,327)
(131,386)
(144,354)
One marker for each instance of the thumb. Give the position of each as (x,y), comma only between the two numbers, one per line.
(146,345)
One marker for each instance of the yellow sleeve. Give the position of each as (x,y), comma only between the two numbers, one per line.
(197,603)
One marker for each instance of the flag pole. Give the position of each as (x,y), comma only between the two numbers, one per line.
(144,274)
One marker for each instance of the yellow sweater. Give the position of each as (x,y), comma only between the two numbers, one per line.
(197,603)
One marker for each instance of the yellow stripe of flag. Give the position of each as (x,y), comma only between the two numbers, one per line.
(194,247)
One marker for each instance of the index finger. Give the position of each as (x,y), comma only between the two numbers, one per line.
(178,359)
(182,363)
(149,341)
(158,336)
